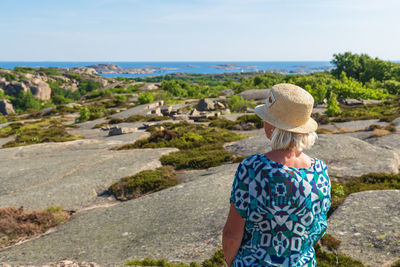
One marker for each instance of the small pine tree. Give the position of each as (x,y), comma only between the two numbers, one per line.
(333,108)
(84,115)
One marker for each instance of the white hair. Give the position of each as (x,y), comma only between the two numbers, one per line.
(281,139)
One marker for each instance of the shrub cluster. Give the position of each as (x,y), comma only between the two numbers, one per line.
(144,182)
(200,146)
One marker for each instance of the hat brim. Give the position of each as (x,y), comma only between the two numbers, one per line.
(309,127)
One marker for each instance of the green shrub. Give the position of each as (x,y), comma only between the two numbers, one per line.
(333,106)
(144,182)
(236,103)
(201,146)
(253,118)
(145,98)
(198,158)
(84,115)
(3,119)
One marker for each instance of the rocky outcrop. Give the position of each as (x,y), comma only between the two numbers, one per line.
(205,104)
(70,174)
(344,155)
(40,89)
(182,223)
(255,94)
(368,226)
(6,108)
(106,68)
(150,86)
(14,88)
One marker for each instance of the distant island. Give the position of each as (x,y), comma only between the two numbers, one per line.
(115,69)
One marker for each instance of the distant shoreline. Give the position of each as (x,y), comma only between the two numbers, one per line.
(145,69)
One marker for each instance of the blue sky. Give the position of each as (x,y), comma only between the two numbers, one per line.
(197,30)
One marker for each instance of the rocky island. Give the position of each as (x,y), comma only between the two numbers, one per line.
(115,69)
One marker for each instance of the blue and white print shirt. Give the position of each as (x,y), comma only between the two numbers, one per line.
(285,211)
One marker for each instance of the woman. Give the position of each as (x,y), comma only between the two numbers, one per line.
(280,199)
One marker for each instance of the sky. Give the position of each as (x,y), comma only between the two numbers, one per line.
(197,30)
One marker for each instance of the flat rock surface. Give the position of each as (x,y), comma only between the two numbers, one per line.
(344,155)
(182,223)
(368,225)
(391,141)
(69,174)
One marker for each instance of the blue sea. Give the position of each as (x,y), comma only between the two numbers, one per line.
(203,67)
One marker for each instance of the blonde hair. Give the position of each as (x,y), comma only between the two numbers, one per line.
(281,139)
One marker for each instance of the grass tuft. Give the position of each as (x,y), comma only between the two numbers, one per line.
(17,224)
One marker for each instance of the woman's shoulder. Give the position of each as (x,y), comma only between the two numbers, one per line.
(251,161)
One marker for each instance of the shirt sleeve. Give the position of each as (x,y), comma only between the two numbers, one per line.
(240,190)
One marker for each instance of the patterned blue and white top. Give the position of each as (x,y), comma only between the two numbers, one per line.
(285,211)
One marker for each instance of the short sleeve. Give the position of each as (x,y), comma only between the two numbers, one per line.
(240,190)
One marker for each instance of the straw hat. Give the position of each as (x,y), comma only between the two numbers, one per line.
(288,107)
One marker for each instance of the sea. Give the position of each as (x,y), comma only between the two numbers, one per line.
(203,67)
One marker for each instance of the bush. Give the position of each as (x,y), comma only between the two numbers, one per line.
(144,182)
(145,98)
(333,106)
(84,115)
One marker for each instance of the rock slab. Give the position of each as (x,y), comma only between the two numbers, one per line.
(69,174)
(368,225)
(182,223)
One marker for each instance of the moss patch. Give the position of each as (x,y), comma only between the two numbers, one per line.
(244,122)
(133,118)
(371,181)
(200,146)
(50,130)
(330,259)
(217,260)
(17,224)
(144,182)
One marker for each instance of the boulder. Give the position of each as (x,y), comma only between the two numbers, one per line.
(350,101)
(372,101)
(344,155)
(219,105)
(40,89)
(368,226)
(14,88)
(119,130)
(150,86)
(255,94)
(205,104)
(228,91)
(6,108)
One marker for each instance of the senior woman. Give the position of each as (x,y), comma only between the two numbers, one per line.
(279,199)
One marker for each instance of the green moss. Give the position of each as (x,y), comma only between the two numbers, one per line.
(331,242)
(144,182)
(396,263)
(217,260)
(198,158)
(253,118)
(329,259)
(371,181)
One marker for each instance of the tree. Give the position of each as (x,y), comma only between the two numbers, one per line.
(145,98)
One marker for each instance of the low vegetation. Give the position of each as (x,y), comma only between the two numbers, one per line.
(43,131)
(244,122)
(144,182)
(217,260)
(371,181)
(200,146)
(133,118)
(17,224)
